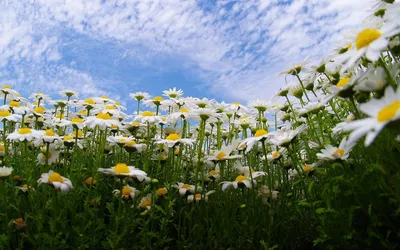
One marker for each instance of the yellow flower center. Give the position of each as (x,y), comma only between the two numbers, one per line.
(147,113)
(388,112)
(68,138)
(1,148)
(6,87)
(55,177)
(158,99)
(121,168)
(236,103)
(213,172)
(198,196)
(114,126)
(14,104)
(49,132)
(60,116)
(104,116)
(146,203)
(80,133)
(186,186)
(39,110)
(104,97)
(183,110)
(126,191)
(161,191)
(4,113)
(261,132)
(173,137)
(110,107)
(343,82)
(349,46)
(77,120)
(23,131)
(240,178)
(275,155)
(366,37)
(220,155)
(380,84)
(135,124)
(24,186)
(307,168)
(339,152)
(130,143)
(90,101)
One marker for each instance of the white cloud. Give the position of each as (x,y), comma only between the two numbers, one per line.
(237,47)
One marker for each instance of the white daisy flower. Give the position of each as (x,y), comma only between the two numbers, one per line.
(380,112)
(173,139)
(127,192)
(23,134)
(173,93)
(341,152)
(103,120)
(121,169)
(5,171)
(56,180)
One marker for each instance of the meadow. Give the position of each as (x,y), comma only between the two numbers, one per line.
(317,166)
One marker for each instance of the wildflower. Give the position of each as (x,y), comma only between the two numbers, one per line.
(368,42)
(121,169)
(5,171)
(284,138)
(183,188)
(90,181)
(148,117)
(23,134)
(69,93)
(380,111)
(173,139)
(6,115)
(49,157)
(139,96)
(198,197)
(240,181)
(56,181)
(336,153)
(145,202)
(103,120)
(19,223)
(162,191)
(24,188)
(260,135)
(127,192)
(173,93)
(224,153)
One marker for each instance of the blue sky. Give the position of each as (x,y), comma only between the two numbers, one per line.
(226,50)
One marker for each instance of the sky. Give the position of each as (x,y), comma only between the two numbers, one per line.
(220,49)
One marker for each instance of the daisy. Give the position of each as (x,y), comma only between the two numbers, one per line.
(139,96)
(240,181)
(380,111)
(127,192)
(5,171)
(6,115)
(51,158)
(148,117)
(69,93)
(174,139)
(121,169)
(284,138)
(145,202)
(173,93)
(152,103)
(103,120)
(56,180)
(330,153)
(183,114)
(198,197)
(260,135)
(224,153)
(119,140)
(162,191)
(184,188)
(23,134)
(295,70)
(132,146)
(259,105)
(368,42)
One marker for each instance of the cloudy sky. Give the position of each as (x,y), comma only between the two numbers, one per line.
(227,50)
